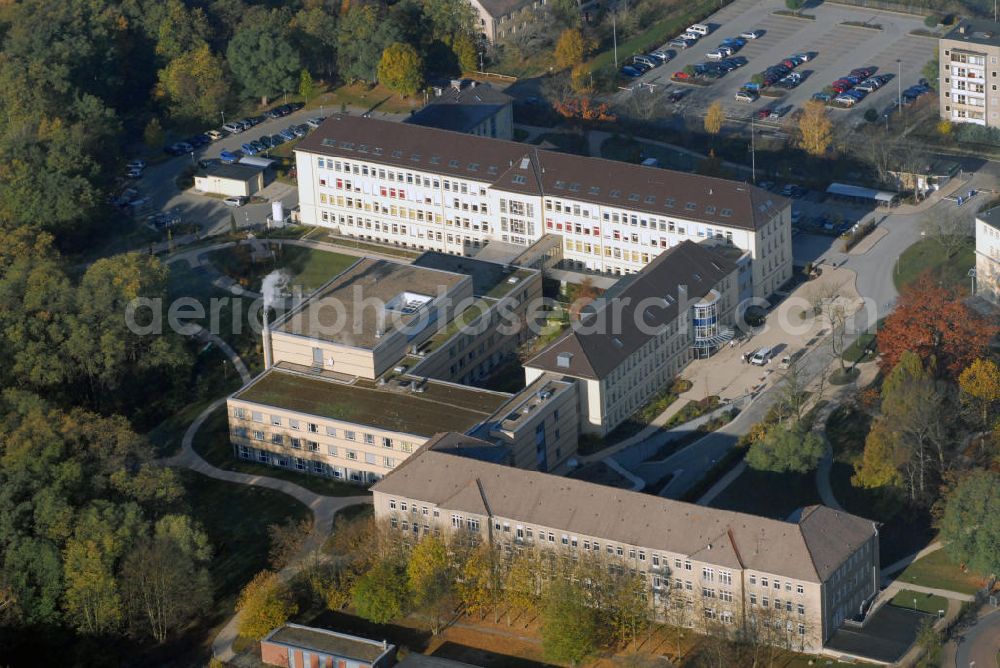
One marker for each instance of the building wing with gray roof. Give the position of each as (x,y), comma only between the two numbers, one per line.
(654,297)
(822,562)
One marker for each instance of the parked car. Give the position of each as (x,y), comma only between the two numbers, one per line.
(761,357)
(727,65)
(259,147)
(235,201)
(751,34)
(716,55)
(691,36)
(228,157)
(204,163)
(764,112)
(233,127)
(134,173)
(806,56)
(180,148)
(646,60)
(630,71)
(300,130)
(739,60)
(663,56)
(248,149)
(295,106)
(214,135)
(136,164)
(642,67)
(277,140)
(265,141)
(746,96)
(735,42)
(677,95)
(681,75)
(680,43)
(863,72)
(315,122)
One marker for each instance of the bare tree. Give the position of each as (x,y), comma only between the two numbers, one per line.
(950,229)
(833,313)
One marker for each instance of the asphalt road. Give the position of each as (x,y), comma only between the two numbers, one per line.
(979,646)
(874,281)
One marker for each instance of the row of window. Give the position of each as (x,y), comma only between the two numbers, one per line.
(313,446)
(347,434)
(302,465)
(766,582)
(405,177)
(778,605)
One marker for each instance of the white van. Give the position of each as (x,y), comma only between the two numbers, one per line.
(699,28)
(761,357)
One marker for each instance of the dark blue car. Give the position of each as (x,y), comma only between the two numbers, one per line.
(630,71)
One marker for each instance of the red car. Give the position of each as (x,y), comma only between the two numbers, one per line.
(681,75)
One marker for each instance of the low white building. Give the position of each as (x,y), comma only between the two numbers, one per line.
(230,180)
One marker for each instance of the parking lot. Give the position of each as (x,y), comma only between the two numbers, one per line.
(838,49)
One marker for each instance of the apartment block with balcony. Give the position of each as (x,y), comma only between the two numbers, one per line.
(970,61)
(802,576)
(642,333)
(988,255)
(430,189)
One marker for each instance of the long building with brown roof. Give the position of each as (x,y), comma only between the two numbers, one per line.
(433,189)
(805,575)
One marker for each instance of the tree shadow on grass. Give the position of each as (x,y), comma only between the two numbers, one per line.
(482,657)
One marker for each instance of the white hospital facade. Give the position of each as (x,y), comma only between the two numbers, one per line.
(429,189)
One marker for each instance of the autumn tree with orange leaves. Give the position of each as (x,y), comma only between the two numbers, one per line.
(583,109)
(931,320)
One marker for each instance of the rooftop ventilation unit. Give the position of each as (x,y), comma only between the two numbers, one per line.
(563,360)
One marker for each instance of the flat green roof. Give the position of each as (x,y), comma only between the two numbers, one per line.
(440,407)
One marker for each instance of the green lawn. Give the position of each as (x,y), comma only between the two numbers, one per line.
(928,255)
(914,600)
(212,443)
(937,570)
(196,283)
(377,99)
(236,518)
(630,150)
(905,529)
(308,267)
(374,248)
(855,352)
(774,495)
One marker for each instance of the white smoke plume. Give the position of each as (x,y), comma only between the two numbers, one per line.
(273,287)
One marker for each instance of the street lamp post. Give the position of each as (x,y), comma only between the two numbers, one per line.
(614,37)
(223,117)
(899,87)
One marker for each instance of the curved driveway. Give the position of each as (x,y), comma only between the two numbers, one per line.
(980,645)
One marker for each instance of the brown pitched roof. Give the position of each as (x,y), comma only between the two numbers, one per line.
(528,169)
(809,550)
(596,346)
